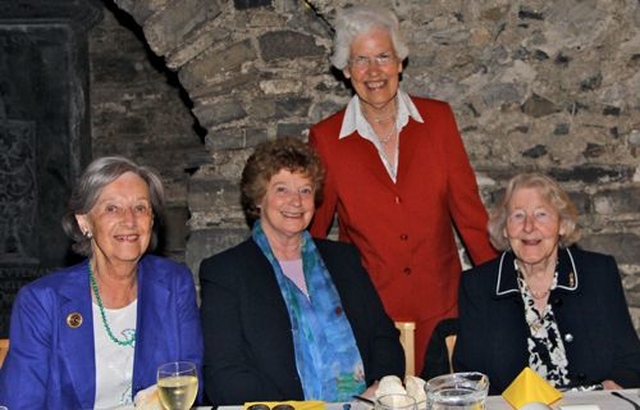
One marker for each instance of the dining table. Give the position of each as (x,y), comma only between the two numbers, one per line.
(572,400)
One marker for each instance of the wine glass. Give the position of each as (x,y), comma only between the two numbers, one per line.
(395,402)
(177,385)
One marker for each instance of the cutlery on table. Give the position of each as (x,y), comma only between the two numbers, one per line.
(635,405)
(364,399)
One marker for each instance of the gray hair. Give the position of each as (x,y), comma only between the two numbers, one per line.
(354,21)
(551,192)
(100,173)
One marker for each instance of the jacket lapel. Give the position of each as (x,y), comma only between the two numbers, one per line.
(410,142)
(365,155)
(76,339)
(153,299)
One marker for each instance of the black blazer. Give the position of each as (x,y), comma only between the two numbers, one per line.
(249,353)
(590,308)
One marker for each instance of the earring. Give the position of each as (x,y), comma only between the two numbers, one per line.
(88,235)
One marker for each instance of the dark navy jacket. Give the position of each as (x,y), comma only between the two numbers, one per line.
(249,353)
(590,309)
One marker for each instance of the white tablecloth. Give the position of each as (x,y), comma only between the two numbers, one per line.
(603,399)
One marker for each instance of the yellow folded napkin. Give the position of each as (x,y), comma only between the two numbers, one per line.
(530,387)
(297,405)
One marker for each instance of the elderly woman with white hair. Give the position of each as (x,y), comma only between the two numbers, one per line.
(544,303)
(398,177)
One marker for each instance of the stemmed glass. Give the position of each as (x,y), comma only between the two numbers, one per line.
(395,402)
(177,385)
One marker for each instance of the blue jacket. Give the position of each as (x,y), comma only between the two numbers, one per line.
(51,364)
(590,309)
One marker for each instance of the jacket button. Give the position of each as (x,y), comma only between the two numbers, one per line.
(397,200)
(407,271)
(568,338)
(404,237)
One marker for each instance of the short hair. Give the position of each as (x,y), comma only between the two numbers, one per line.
(98,174)
(551,192)
(271,157)
(354,21)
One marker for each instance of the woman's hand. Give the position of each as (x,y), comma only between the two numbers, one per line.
(611,385)
(148,399)
(370,393)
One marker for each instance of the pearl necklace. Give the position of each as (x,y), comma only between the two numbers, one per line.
(385,118)
(537,294)
(94,286)
(385,140)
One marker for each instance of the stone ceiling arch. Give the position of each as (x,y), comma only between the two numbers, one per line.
(252,69)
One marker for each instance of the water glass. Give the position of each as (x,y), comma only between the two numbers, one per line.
(457,391)
(395,402)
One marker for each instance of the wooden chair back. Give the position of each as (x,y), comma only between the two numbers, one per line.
(4,349)
(407,339)
(450,342)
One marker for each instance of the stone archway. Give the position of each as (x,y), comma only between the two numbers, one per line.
(254,70)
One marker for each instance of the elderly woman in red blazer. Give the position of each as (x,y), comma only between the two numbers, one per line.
(398,178)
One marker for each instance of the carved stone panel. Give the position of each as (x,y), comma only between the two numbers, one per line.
(44,136)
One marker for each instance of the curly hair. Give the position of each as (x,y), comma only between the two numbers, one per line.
(354,21)
(271,157)
(100,173)
(551,192)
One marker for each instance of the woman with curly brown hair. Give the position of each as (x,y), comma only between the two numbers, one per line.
(285,316)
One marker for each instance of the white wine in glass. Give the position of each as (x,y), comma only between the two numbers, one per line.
(177,385)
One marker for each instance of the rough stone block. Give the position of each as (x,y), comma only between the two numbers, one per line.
(234,138)
(203,70)
(207,193)
(617,201)
(220,112)
(623,246)
(292,129)
(250,4)
(590,174)
(168,28)
(288,44)
(292,107)
(538,106)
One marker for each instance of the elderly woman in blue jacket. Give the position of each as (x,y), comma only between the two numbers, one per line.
(93,335)
(544,303)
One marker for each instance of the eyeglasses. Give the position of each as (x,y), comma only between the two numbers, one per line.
(261,406)
(382,60)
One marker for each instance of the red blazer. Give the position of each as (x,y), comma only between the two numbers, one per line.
(404,230)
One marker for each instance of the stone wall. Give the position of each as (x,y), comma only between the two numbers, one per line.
(140,111)
(537,85)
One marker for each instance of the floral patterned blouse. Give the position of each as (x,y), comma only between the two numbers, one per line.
(547,355)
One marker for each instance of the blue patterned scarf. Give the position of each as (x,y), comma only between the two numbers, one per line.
(327,358)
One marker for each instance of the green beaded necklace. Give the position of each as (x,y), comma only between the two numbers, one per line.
(94,286)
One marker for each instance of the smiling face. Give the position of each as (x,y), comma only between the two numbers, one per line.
(377,81)
(288,205)
(121,220)
(533,228)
